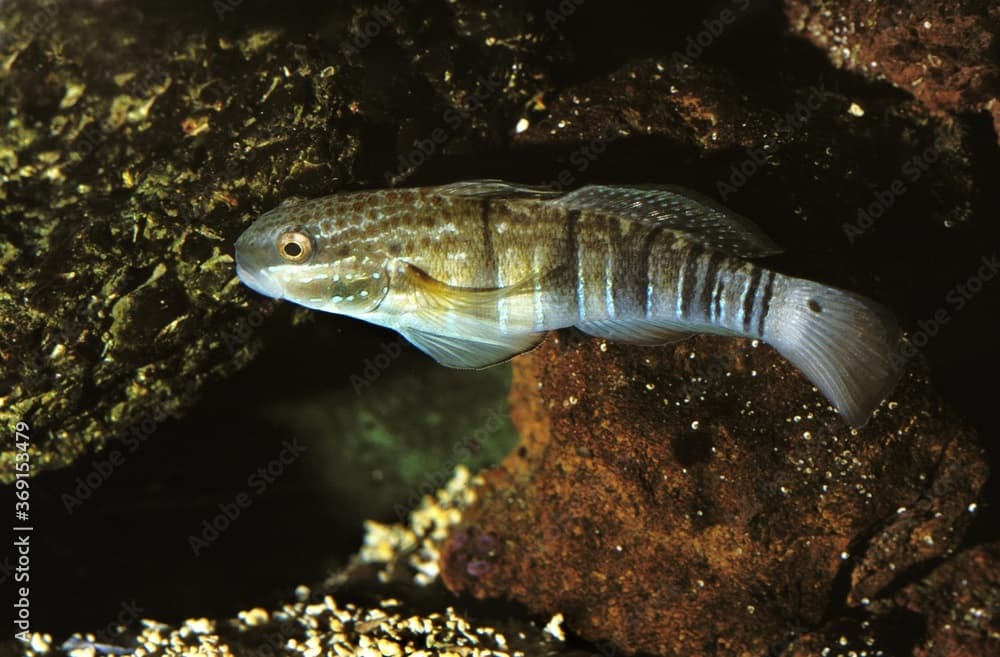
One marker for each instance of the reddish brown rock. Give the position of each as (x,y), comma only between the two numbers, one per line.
(943,53)
(690,105)
(961,602)
(706,497)
(954,611)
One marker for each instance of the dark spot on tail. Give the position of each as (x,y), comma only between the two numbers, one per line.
(814,306)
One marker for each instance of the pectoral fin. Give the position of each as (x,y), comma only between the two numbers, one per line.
(436,300)
(461,327)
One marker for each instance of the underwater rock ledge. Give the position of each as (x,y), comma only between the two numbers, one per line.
(709,498)
(941,52)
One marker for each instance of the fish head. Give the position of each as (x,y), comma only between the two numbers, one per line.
(284,256)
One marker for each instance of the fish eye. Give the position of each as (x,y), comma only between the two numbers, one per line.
(294,246)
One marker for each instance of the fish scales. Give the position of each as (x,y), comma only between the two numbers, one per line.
(614,267)
(604,277)
(475,272)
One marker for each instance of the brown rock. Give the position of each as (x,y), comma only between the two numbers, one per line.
(941,52)
(960,601)
(702,499)
(951,612)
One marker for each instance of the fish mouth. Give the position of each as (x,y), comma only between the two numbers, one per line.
(259,281)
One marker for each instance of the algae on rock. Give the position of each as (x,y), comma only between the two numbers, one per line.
(139,140)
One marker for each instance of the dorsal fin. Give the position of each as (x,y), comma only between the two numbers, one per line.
(700,218)
(497,189)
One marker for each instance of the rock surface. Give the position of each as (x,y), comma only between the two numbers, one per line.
(388,602)
(943,53)
(952,612)
(960,603)
(138,141)
(706,497)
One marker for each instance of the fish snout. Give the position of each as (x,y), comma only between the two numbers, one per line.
(259,281)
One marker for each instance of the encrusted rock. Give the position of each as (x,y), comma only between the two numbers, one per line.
(138,142)
(943,53)
(703,499)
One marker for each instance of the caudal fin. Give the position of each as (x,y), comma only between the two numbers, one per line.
(844,343)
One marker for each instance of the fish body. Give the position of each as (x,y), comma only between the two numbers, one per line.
(476,272)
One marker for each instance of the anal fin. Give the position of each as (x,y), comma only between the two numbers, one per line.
(635,331)
(471,353)
(698,217)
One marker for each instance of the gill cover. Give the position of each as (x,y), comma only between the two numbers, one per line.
(310,274)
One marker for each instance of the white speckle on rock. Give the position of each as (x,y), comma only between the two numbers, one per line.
(554,627)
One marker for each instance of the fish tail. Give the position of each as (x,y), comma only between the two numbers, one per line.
(845,344)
